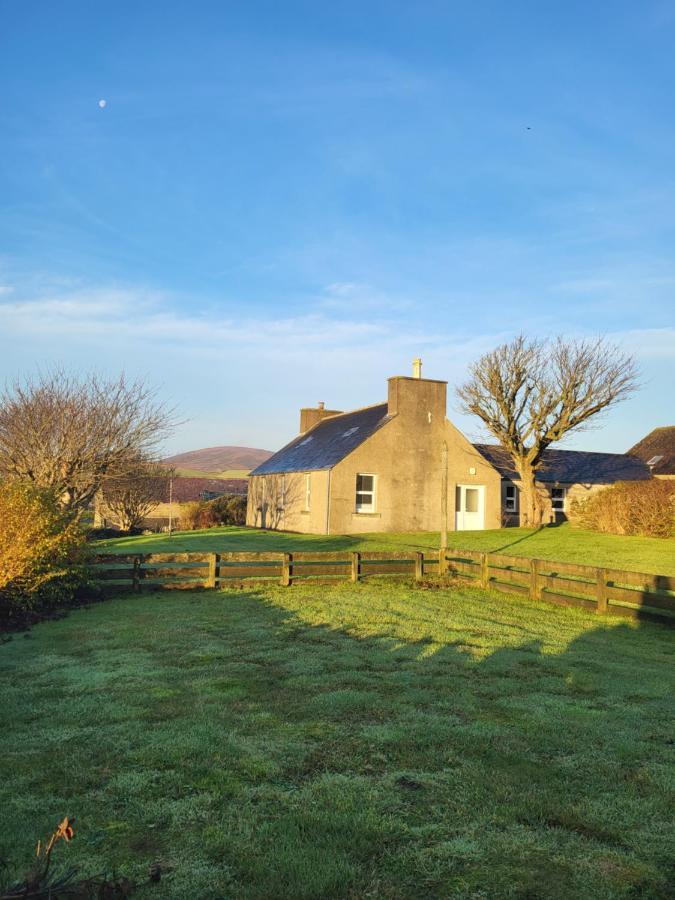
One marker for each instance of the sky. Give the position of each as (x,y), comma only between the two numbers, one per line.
(285,203)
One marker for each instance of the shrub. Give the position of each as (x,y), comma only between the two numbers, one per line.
(230,510)
(226,510)
(41,549)
(188,517)
(630,507)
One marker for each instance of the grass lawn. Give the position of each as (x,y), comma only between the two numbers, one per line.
(368,740)
(562,544)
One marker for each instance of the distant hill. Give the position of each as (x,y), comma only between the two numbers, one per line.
(220,461)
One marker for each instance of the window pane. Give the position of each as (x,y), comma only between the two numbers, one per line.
(558,499)
(364,499)
(510,491)
(364,482)
(458,499)
(471,500)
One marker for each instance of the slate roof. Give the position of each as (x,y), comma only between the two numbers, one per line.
(325,445)
(659,442)
(572,466)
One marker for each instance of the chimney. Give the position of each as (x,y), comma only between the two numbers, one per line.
(312,415)
(418,398)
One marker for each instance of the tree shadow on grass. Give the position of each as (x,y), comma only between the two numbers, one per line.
(539,747)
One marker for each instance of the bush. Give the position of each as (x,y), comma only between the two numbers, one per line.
(209,513)
(644,508)
(229,510)
(41,549)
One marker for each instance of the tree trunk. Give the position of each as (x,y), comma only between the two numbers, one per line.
(531,505)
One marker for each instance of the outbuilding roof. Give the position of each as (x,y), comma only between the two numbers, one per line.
(572,466)
(657,450)
(327,443)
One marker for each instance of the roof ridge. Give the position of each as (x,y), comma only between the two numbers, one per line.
(560,450)
(348,412)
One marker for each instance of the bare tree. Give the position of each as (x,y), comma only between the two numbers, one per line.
(68,434)
(132,496)
(530,394)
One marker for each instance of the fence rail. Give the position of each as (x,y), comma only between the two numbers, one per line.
(607,591)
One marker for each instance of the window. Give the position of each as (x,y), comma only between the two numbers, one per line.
(471,496)
(558,499)
(365,493)
(308,492)
(510,498)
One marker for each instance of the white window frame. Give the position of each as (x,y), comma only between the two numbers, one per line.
(365,507)
(308,491)
(562,499)
(510,503)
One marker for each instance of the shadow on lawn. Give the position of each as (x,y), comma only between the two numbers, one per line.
(516,716)
(612,644)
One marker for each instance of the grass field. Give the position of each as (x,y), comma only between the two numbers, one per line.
(562,543)
(225,474)
(369,740)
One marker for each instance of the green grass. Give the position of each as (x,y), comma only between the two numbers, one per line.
(369,740)
(563,544)
(226,473)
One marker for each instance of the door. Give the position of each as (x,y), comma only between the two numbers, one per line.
(469,507)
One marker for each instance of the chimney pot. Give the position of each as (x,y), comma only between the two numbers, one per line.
(417,368)
(321,404)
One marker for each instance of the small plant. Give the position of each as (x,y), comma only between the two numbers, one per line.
(40,885)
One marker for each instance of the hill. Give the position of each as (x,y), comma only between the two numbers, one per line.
(219,460)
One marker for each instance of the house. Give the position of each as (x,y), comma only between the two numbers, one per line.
(380,468)
(657,450)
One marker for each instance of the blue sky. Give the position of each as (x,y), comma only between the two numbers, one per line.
(283,203)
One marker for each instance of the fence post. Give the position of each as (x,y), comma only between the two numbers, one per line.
(443,561)
(214,573)
(356,565)
(419,565)
(535,589)
(136,575)
(600,592)
(484,573)
(286,569)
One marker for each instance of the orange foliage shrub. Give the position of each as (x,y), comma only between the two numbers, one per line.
(644,508)
(41,548)
(195,515)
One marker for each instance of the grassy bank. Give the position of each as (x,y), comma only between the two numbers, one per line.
(358,740)
(562,543)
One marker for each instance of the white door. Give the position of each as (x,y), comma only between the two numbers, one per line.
(469,507)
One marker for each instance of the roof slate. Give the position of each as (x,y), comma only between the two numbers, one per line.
(325,445)
(659,442)
(572,466)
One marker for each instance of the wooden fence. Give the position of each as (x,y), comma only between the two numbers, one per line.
(608,591)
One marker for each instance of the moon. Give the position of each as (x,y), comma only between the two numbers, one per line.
(103,103)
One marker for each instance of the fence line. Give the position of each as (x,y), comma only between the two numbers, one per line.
(607,591)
